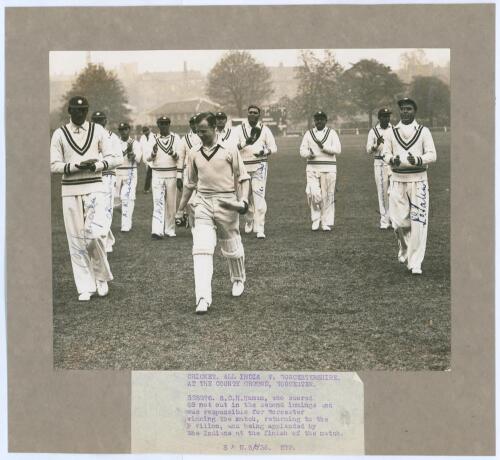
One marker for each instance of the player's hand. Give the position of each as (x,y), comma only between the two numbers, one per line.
(259,154)
(153,154)
(87,165)
(411,158)
(180,185)
(239,206)
(180,221)
(380,140)
(155,149)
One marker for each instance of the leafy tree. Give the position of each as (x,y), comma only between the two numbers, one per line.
(319,86)
(238,80)
(369,85)
(103,90)
(433,99)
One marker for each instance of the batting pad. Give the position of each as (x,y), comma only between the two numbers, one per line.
(204,239)
(232,248)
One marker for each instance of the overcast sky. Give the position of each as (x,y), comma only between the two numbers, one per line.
(71,62)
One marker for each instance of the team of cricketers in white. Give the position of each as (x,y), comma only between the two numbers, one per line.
(214,174)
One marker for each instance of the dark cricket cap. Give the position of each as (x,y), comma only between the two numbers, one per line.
(77,102)
(384,111)
(123,125)
(220,115)
(407,100)
(192,119)
(163,121)
(98,116)
(320,114)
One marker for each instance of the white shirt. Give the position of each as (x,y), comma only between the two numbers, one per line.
(116,146)
(188,141)
(215,170)
(227,136)
(320,160)
(265,142)
(167,162)
(72,144)
(127,164)
(404,139)
(371,143)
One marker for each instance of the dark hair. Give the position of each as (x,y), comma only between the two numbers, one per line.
(209,116)
(253,107)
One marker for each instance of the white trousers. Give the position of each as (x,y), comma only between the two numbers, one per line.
(164,205)
(382,182)
(110,184)
(320,191)
(85,223)
(125,190)
(257,206)
(212,221)
(409,212)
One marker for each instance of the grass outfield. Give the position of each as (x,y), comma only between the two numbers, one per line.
(313,301)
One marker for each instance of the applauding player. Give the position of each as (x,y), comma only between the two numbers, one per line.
(374,146)
(109,178)
(126,175)
(319,146)
(212,169)
(165,163)
(81,151)
(256,143)
(408,150)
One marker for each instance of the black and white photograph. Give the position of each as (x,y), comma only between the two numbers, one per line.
(270,209)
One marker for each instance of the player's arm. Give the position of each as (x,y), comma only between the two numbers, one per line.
(388,152)
(242,141)
(191,183)
(136,148)
(429,151)
(179,151)
(111,158)
(332,145)
(241,176)
(371,143)
(57,163)
(305,150)
(429,155)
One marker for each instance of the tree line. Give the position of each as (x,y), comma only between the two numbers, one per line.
(323,84)
(237,80)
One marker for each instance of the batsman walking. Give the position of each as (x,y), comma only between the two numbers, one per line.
(214,169)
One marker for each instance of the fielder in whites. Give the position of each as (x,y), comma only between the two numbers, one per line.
(375,146)
(223,129)
(319,146)
(256,142)
(126,175)
(81,150)
(214,169)
(188,141)
(408,150)
(165,163)
(109,178)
